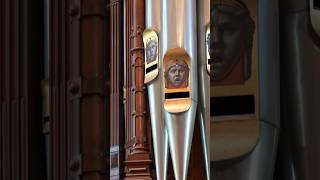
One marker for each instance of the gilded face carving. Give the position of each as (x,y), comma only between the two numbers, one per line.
(231,37)
(151,50)
(177,73)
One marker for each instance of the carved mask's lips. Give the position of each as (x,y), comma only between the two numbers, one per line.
(177,78)
(219,68)
(218,63)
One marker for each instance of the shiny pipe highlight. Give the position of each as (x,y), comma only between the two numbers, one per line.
(178,51)
(154,83)
(204,75)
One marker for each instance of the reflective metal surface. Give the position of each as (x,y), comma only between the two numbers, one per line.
(204,79)
(300,89)
(259,163)
(159,133)
(178,30)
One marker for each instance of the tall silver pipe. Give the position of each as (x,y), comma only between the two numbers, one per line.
(300,45)
(178,41)
(153,80)
(204,83)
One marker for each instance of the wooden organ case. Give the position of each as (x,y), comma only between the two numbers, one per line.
(131,152)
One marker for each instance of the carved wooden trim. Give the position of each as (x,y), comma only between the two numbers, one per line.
(138,157)
(137,71)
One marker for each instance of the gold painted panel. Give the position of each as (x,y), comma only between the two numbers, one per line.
(151,44)
(176,80)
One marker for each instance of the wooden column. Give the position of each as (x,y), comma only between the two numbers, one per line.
(117,126)
(93,102)
(137,69)
(138,157)
(78,88)
(21,60)
(59,133)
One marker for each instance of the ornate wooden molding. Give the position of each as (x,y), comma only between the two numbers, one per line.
(138,157)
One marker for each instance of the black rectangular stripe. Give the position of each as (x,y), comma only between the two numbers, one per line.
(232,105)
(177,95)
(151,68)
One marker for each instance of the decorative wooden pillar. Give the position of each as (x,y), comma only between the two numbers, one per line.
(78,82)
(21,64)
(58,95)
(117,130)
(138,157)
(137,68)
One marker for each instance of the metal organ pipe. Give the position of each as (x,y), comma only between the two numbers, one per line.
(178,43)
(153,80)
(204,78)
(172,66)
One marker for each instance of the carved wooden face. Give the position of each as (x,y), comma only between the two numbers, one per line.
(151,50)
(229,39)
(177,74)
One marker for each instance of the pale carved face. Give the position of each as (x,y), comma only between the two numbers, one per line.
(177,73)
(151,50)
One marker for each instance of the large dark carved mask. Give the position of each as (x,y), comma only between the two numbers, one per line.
(231,38)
